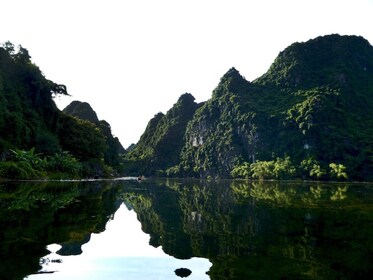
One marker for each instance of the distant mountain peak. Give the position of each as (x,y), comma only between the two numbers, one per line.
(232,81)
(186,97)
(232,73)
(81,110)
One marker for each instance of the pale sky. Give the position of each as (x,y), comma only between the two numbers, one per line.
(130,59)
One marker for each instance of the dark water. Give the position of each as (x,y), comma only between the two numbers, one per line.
(227,230)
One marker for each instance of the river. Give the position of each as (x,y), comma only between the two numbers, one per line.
(172,229)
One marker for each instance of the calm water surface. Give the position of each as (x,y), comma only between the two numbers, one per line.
(123,229)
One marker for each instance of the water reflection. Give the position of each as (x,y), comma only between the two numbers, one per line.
(122,251)
(245,230)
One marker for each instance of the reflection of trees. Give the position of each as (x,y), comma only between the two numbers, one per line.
(339,194)
(29,196)
(272,192)
(291,195)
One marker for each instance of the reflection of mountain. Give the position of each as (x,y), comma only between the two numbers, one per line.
(73,248)
(299,232)
(196,220)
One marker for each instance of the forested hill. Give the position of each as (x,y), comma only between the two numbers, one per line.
(160,145)
(84,111)
(36,139)
(309,116)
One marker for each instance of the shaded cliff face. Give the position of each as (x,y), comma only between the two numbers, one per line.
(160,145)
(221,130)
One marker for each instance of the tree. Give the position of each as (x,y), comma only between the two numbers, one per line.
(22,55)
(284,169)
(241,171)
(311,168)
(82,138)
(9,47)
(263,169)
(338,171)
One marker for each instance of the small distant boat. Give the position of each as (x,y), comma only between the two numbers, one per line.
(140,178)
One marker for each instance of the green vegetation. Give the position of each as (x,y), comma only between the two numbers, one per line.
(275,169)
(29,165)
(283,168)
(39,141)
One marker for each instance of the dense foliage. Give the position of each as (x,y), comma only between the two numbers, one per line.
(311,109)
(28,115)
(30,123)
